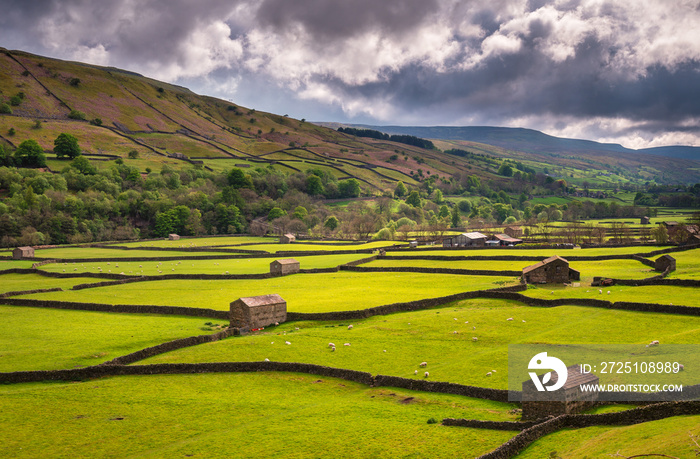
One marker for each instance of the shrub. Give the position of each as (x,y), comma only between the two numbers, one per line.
(133,154)
(37,124)
(15,101)
(75,82)
(96,122)
(432,421)
(76,115)
(5,109)
(11,132)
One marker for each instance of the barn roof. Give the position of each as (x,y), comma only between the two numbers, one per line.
(288,235)
(666,257)
(573,380)
(546,261)
(506,238)
(474,235)
(286,261)
(262,300)
(25,248)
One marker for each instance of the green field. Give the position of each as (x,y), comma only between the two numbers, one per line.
(256,415)
(48,339)
(298,415)
(324,292)
(427,336)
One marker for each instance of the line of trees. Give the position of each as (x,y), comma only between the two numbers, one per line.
(405,139)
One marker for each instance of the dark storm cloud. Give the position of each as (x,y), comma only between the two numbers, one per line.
(577,66)
(342,19)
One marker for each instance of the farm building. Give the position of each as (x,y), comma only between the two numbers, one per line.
(23,252)
(567,400)
(553,270)
(283,267)
(287,238)
(258,311)
(173,237)
(466,240)
(664,262)
(645,221)
(505,240)
(413,244)
(513,231)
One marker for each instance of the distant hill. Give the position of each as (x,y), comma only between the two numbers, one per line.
(530,140)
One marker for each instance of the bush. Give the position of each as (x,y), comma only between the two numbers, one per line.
(133,154)
(15,100)
(76,115)
(5,109)
(11,132)
(37,124)
(432,421)
(96,122)
(75,82)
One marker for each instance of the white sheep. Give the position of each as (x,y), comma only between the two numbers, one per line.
(333,349)
(600,291)
(455,332)
(655,343)
(509,318)
(423,364)
(488,374)
(681,367)
(331,345)
(475,339)
(346,344)
(415,372)
(523,321)
(349,327)
(608,292)
(287,342)
(426,374)
(267,360)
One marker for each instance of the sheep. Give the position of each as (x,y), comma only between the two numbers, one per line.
(415,372)
(267,360)
(509,318)
(331,345)
(384,350)
(523,321)
(349,327)
(296,328)
(277,323)
(455,318)
(455,332)
(488,374)
(423,364)
(600,291)
(475,338)
(346,344)
(426,374)
(333,349)
(681,367)
(287,342)
(608,292)
(473,328)
(654,343)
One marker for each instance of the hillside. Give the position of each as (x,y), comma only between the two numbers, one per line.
(120,111)
(665,164)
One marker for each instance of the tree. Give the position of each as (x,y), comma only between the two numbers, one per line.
(660,234)
(331,223)
(76,115)
(400,190)
(237,179)
(66,145)
(314,185)
(413,199)
(5,156)
(276,212)
(456,219)
(444,212)
(437,197)
(300,213)
(505,170)
(83,165)
(349,188)
(30,154)
(5,109)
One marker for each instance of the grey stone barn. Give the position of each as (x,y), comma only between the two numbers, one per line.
(284,266)
(173,237)
(473,239)
(567,400)
(553,270)
(257,312)
(514,231)
(645,221)
(287,238)
(23,252)
(664,262)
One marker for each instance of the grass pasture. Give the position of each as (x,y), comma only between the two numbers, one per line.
(326,292)
(270,414)
(261,415)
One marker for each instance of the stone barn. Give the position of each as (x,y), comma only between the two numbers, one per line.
(514,231)
(173,237)
(23,252)
(506,240)
(553,270)
(645,221)
(569,399)
(473,239)
(287,238)
(257,312)
(284,267)
(664,262)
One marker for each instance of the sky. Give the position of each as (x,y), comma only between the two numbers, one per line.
(619,71)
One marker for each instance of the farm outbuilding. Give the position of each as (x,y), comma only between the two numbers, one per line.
(665,262)
(173,237)
(287,238)
(284,266)
(553,270)
(506,240)
(513,231)
(257,311)
(473,239)
(645,221)
(23,252)
(567,400)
